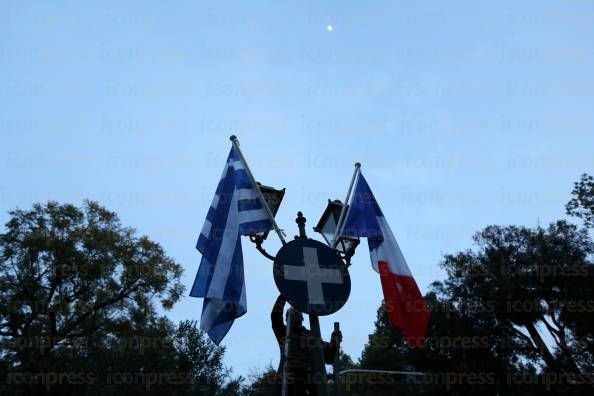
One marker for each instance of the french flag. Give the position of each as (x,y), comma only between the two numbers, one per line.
(403,300)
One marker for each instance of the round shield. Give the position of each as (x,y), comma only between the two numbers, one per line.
(312,277)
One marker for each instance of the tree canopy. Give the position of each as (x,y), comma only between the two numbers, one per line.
(80,314)
(582,201)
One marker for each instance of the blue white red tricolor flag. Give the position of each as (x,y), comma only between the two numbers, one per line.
(235,210)
(403,300)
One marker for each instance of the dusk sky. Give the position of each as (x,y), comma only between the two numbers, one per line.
(462,113)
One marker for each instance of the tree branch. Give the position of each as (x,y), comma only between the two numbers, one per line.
(524,337)
(555,333)
(122,295)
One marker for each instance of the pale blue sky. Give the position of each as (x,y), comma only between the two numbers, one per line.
(463,114)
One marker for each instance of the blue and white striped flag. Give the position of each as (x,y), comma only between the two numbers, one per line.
(235,210)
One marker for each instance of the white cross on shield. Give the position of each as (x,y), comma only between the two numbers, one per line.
(313,275)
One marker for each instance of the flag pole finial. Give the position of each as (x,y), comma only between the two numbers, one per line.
(233,138)
(357,164)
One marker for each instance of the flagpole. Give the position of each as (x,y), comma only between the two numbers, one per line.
(285,357)
(235,142)
(341,218)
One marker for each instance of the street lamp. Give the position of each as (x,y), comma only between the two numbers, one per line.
(327,225)
(273,198)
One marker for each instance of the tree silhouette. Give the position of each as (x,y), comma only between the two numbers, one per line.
(582,202)
(79,314)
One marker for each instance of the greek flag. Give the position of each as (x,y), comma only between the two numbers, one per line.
(235,210)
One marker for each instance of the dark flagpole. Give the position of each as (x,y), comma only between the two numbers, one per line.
(285,389)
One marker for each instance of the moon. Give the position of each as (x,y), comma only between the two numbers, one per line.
(329,27)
